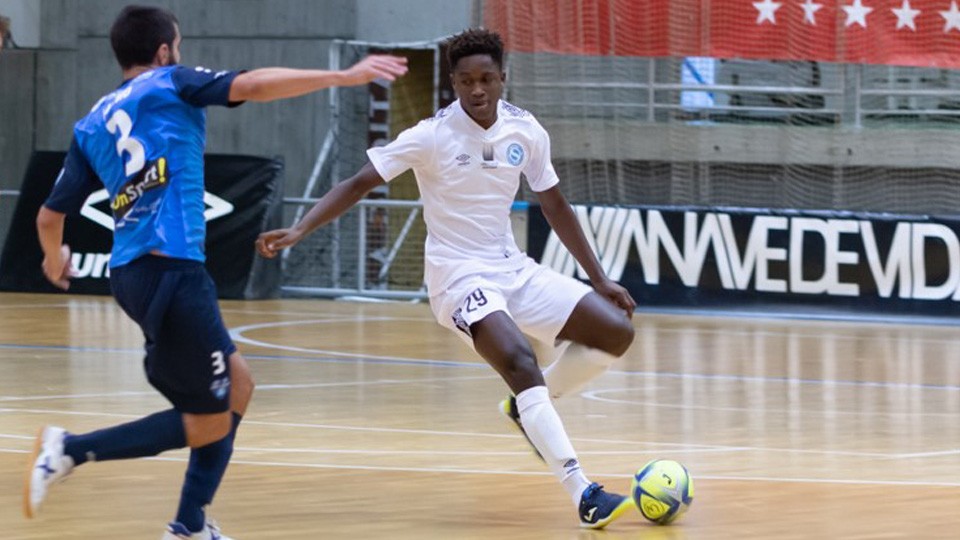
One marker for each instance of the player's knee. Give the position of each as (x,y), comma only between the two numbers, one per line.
(615,338)
(204,429)
(242,381)
(619,338)
(522,371)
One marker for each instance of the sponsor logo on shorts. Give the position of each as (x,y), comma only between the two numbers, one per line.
(220,388)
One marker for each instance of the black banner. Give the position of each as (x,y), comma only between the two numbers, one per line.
(801,262)
(243,198)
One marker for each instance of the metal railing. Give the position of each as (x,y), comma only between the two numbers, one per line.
(359,286)
(849,94)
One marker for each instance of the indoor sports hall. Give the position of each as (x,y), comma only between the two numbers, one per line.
(775,184)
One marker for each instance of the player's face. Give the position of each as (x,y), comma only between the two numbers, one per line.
(478,82)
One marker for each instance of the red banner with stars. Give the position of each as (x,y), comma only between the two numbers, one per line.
(896,32)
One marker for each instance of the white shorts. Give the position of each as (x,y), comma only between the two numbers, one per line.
(537,298)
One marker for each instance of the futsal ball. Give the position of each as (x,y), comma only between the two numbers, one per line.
(662,490)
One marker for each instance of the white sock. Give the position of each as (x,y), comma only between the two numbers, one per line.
(575,368)
(542,424)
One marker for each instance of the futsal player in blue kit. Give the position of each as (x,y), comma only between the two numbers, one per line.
(144,142)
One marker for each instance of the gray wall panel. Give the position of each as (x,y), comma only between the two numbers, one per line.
(75,67)
(280,19)
(58,24)
(411,20)
(56,87)
(16,115)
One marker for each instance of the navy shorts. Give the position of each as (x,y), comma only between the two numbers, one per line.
(188,348)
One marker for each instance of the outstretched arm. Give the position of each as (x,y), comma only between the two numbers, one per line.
(331,206)
(268,84)
(561,218)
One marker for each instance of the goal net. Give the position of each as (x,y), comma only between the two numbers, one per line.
(848,105)
(376,248)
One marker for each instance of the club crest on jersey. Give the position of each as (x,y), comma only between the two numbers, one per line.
(515,154)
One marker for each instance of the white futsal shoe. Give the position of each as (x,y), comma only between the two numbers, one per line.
(211,531)
(48,466)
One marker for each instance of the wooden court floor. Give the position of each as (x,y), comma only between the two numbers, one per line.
(370,421)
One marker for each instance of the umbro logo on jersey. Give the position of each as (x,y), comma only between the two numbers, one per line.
(463,159)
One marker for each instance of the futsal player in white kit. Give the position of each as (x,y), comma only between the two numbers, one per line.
(468,159)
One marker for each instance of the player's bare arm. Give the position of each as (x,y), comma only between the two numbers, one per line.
(561,218)
(268,84)
(331,206)
(56,257)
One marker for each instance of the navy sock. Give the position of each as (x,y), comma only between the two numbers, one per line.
(147,436)
(204,473)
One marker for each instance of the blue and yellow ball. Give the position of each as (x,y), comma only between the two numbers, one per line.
(662,490)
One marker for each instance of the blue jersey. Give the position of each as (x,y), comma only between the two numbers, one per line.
(145,142)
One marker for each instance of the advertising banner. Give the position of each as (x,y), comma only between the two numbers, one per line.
(799,261)
(243,197)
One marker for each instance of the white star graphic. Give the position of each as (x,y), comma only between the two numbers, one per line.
(906,15)
(767,8)
(951,18)
(809,9)
(857,13)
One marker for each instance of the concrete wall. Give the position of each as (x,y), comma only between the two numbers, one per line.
(414,20)
(45,89)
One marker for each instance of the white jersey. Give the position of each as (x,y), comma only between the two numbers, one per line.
(468,179)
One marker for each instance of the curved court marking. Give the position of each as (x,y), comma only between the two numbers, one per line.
(236,334)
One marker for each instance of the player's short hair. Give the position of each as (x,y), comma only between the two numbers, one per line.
(474,41)
(139,31)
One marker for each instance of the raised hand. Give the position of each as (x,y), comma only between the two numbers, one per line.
(376,66)
(616,293)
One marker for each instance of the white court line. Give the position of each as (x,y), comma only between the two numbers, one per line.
(461,452)
(496,472)
(237,335)
(260,387)
(345,318)
(7,399)
(33,306)
(593,395)
(670,446)
(850,333)
(927,454)
(351,452)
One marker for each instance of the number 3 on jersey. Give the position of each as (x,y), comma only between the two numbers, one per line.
(219,365)
(121,121)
